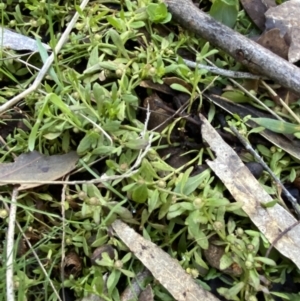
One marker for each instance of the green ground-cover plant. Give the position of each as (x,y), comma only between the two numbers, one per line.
(91,102)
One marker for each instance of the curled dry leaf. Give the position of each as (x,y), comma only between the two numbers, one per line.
(246,189)
(213,256)
(23,247)
(158,113)
(34,167)
(72,265)
(163,268)
(97,254)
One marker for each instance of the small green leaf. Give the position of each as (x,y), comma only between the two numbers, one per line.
(44,56)
(184,178)
(51,136)
(140,193)
(235,289)
(217,202)
(128,273)
(286,296)
(225,12)
(93,57)
(277,126)
(266,260)
(180,88)
(118,42)
(225,262)
(200,261)
(153,200)
(192,183)
(255,279)
(236,96)
(87,143)
(269,204)
(116,23)
(112,280)
(158,13)
(199,237)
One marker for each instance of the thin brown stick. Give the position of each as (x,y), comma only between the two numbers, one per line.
(244,50)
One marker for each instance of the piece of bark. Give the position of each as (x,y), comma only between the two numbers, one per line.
(244,188)
(166,270)
(247,52)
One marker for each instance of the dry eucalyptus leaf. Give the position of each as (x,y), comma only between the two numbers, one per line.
(256,10)
(214,255)
(246,189)
(98,253)
(158,113)
(36,167)
(163,268)
(273,41)
(16,41)
(147,294)
(285,17)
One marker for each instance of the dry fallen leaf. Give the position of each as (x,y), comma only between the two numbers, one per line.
(256,9)
(36,167)
(147,294)
(16,41)
(246,189)
(285,17)
(163,268)
(72,265)
(98,253)
(273,41)
(214,255)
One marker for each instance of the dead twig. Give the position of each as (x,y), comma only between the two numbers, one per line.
(247,52)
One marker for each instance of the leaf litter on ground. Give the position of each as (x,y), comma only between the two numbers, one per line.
(34,167)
